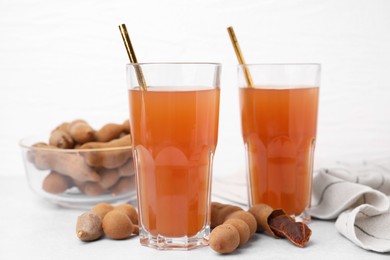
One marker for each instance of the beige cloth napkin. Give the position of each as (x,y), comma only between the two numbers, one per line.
(356,195)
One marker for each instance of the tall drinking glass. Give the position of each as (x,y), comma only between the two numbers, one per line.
(174,127)
(279,124)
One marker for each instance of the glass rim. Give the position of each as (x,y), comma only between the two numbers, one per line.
(175,63)
(281,64)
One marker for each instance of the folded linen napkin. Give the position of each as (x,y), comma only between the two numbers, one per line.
(356,195)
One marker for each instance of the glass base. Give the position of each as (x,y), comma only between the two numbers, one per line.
(304,217)
(175,243)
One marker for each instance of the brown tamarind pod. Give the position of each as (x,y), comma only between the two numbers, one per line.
(79,185)
(81,131)
(93,189)
(107,157)
(136,230)
(227,210)
(224,238)
(64,127)
(124,185)
(89,227)
(56,183)
(70,164)
(262,212)
(127,169)
(101,209)
(109,132)
(215,209)
(129,210)
(126,126)
(117,225)
(108,177)
(61,139)
(242,228)
(31,153)
(247,217)
(219,213)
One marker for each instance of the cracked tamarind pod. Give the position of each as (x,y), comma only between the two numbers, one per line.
(276,223)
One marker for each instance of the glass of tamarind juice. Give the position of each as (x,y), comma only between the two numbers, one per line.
(279,105)
(174,128)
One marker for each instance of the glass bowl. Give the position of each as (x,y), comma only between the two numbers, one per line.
(79,178)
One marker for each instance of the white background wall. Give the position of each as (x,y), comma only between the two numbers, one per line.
(62,60)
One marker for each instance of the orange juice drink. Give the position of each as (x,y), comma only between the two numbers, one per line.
(175,133)
(279,125)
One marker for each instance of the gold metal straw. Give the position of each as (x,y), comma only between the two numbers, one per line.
(240,57)
(132,57)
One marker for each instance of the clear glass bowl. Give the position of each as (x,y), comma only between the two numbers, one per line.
(79,178)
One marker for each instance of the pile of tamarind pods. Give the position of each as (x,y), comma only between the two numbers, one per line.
(116,222)
(232,226)
(95,161)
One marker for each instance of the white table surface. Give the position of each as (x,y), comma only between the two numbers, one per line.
(32,228)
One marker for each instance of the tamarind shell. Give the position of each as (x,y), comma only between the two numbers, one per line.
(262,214)
(285,226)
(89,227)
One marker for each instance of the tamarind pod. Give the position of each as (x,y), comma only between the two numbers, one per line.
(124,185)
(56,183)
(242,228)
(81,131)
(108,177)
(262,213)
(127,169)
(227,210)
(31,153)
(70,164)
(93,189)
(109,158)
(79,185)
(109,132)
(126,126)
(64,127)
(224,238)
(219,213)
(41,157)
(247,217)
(89,227)
(61,139)
(214,216)
(136,230)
